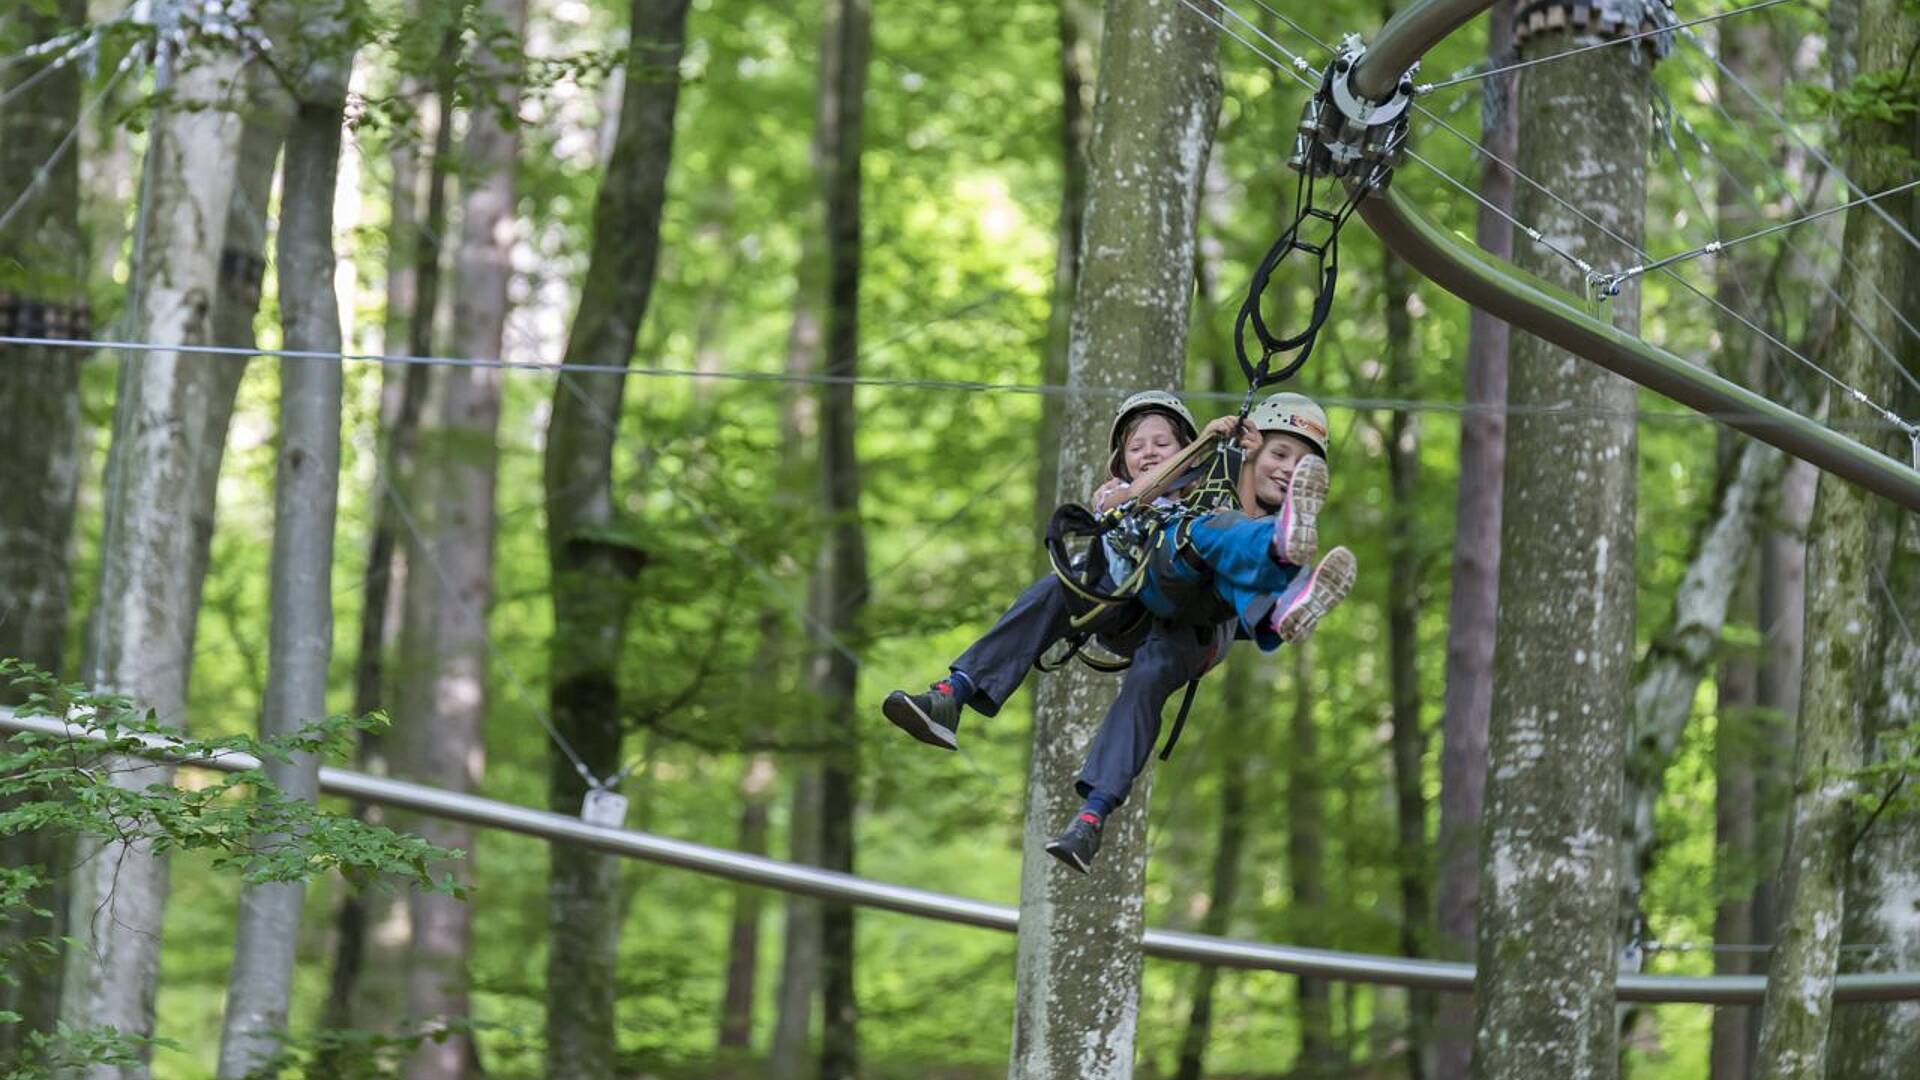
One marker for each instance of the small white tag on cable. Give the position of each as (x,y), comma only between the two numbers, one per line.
(607,809)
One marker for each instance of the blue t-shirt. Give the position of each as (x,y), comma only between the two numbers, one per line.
(1241,579)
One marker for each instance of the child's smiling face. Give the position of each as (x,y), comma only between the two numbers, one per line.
(1273,468)
(1150,440)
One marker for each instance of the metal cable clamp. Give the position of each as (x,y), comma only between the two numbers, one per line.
(1343,134)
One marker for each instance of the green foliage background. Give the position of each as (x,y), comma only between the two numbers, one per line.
(962,178)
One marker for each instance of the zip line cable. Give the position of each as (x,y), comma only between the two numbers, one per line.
(1428,88)
(1912,430)
(1714,247)
(1424,405)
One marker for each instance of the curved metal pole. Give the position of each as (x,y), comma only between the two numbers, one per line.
(1541,309)
(1530,304)
(1406,38)
(831,885)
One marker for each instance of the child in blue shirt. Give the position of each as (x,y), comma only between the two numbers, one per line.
(1208,578)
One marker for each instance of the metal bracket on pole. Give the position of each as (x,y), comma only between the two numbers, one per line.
(1343,133)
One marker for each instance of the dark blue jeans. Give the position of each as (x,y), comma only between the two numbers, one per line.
(1042,617)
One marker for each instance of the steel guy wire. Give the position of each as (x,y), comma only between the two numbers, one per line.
(1299,62)
(1714,247)
(38,49)
(1911,429)
(1827,242)
(90,44)
(39,180)
(1671,275)
(1794,134)
(1665,125)
(1713,98)
(1733,182)
(1428,88)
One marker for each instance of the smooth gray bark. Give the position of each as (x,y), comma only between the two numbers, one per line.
(1078,986)
(1079,44)
(594,564)
(1475,574)
(140,642)
(306,489)
(1882,1041)
(365,987)
(452,566)
(1564,657)
(43,293)
(1850,540)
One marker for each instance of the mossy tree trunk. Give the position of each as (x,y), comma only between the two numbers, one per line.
(1849,541)
(595,561)
(44,285)
(1078,985)
(1881,1041)
(1564,658)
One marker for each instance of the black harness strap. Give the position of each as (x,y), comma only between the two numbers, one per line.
(1180,719)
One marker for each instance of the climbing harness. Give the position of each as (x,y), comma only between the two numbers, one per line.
(1342,136)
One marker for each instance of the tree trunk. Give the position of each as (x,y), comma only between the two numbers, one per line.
(1476,575)
(366,987)
(452,559)
(594,565)
(44,295)
(1848,547)
(1079,42)
(743,935)
(306,486)
(142,628)
(800,944)
(1563,662)
(840,581)
(1403,645)
(1237,700)
(1733,835)
(1306,861)
(1882,1040)
(1078,991)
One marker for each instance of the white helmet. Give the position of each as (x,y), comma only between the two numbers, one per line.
(1158,401)
(1295,414)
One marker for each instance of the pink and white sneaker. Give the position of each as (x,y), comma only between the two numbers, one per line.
(1312,595)
(1296,529)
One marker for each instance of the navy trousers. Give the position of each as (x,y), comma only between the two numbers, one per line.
(1042,617)
(1171,656)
